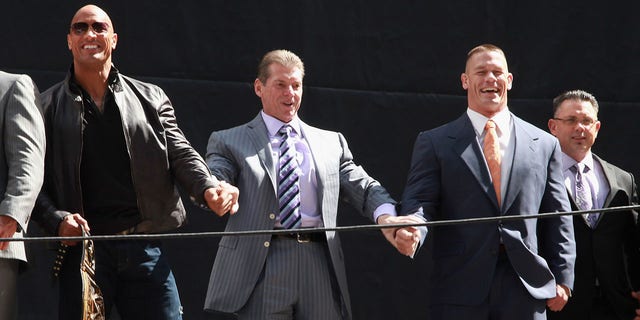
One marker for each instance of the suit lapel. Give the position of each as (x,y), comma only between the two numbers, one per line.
(259,136)
(523,157)
(316,146)
(468,147)
(610,175)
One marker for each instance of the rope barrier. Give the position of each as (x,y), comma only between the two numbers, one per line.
(314,230)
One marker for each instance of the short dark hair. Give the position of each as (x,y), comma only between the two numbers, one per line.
(483,48)
(579,95)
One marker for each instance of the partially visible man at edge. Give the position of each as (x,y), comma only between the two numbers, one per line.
(114,156)
(22,162)
(607,250)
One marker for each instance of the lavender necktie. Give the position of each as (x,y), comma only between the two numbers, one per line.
(583,193)
(288,181)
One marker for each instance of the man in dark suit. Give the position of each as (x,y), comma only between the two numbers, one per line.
(295,275)
(22,162)
(608,257)
(497,270)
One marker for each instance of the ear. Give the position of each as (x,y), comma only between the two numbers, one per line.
(597,128)
(464,79)
(114,42)
(553,126)
(509,81)
(69,41)
(257,87)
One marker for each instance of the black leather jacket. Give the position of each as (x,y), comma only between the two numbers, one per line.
(159,154)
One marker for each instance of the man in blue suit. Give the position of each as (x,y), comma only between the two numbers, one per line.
(497,270)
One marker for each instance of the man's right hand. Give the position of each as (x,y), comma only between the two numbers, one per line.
(71,226)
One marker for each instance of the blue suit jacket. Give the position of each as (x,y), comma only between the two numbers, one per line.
(450,180)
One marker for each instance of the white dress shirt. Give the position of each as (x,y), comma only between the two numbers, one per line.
(594,177)
(504,127)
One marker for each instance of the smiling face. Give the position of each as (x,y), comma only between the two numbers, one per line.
(281,93)
(575,124)
(487,80)
(91,48)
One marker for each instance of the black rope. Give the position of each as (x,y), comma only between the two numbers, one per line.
(314,230)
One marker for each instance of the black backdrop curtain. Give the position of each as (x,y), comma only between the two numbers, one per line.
(377,71)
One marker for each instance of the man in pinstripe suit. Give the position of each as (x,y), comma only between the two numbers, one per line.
(22,150)
(294,276)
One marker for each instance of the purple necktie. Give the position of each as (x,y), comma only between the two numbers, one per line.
(288,181)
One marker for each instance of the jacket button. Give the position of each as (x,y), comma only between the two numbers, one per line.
(272,216)
(267,244)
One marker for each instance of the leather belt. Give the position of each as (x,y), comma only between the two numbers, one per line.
(303,237)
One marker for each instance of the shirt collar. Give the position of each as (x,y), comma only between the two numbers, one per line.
(112,80)
(273,124)
(568,162)
(502,120)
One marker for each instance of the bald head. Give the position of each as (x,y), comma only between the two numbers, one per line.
(91,40)
(93,11)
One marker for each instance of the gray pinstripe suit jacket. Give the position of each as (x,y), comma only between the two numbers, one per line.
(22,151)
(242,156)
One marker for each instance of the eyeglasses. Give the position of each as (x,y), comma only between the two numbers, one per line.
(572,121)
(79,28)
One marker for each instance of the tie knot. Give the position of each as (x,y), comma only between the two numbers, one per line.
(579,167)
(285,130)
(490,125)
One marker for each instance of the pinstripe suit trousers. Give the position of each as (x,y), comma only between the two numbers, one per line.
(297,282)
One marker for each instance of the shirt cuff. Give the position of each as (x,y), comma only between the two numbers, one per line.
(385,208)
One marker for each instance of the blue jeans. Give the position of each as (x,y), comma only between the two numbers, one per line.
(132,274)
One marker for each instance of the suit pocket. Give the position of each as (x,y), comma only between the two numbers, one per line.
(228,242)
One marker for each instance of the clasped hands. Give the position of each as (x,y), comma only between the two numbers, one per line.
(222,199)
(405,239)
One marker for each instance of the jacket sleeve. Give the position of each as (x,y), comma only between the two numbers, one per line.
(24,146)
(45,212)
(187,165)
(556,235)
(360,190)
(632,236)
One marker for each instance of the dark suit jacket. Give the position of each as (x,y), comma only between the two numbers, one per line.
(242,156)
(450,180)
(609,252)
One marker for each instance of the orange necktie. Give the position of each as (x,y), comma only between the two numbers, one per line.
(491,149)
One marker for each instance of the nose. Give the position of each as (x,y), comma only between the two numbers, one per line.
(91,33)
(289,91)
(579,127)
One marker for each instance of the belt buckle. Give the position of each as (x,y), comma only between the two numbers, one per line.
(303,238)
